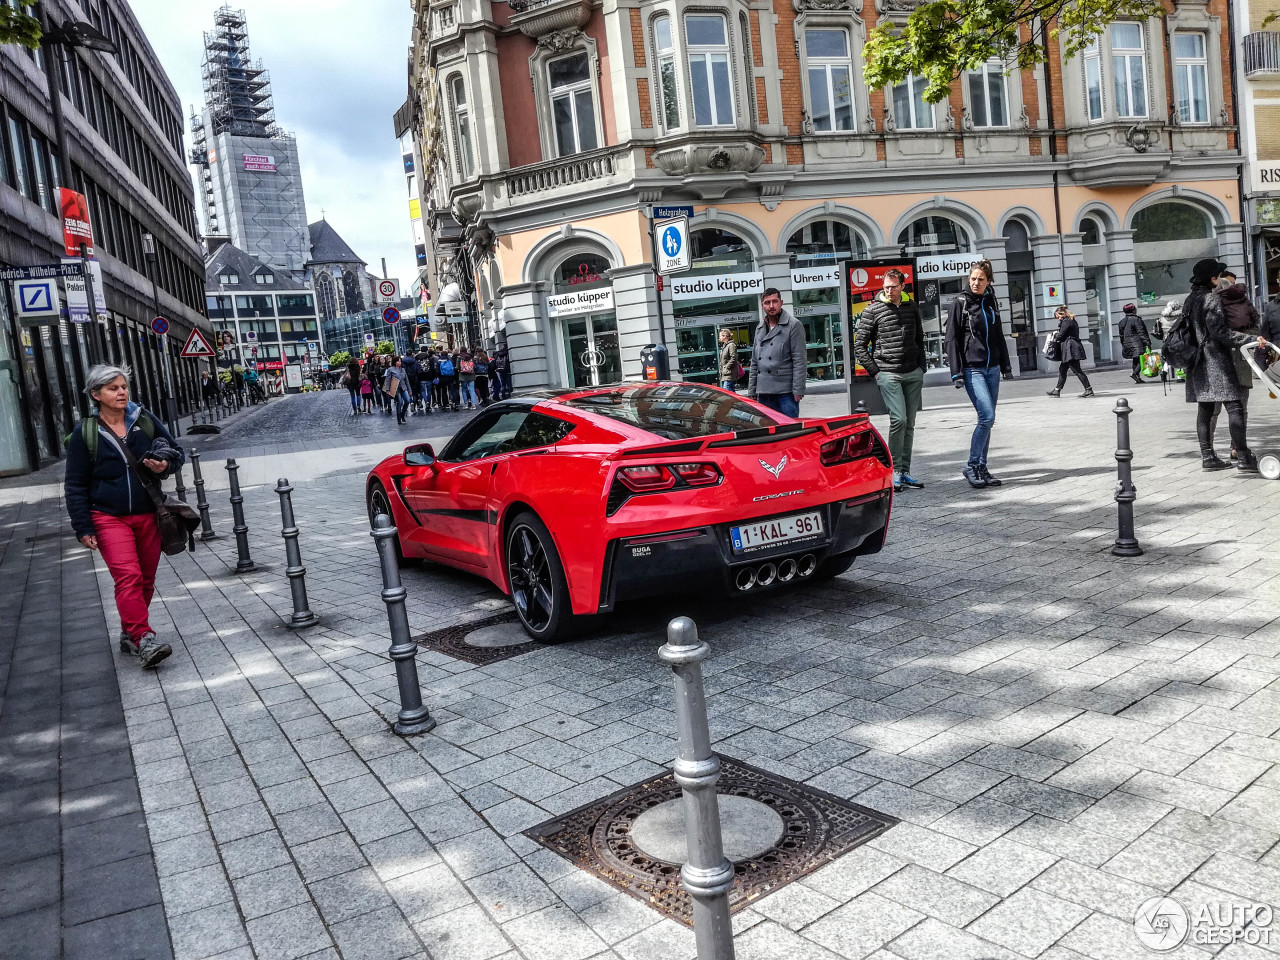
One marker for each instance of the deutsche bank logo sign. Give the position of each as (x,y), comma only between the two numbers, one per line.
(673,245)
(36,298)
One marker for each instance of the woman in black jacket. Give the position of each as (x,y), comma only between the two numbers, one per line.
(1068,340)
(110,507)
(1211,378)
(979,356)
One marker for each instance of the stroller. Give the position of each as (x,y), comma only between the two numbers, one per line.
(1269,374)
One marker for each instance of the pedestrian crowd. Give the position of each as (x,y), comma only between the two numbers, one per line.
(1215,319)
(428,381)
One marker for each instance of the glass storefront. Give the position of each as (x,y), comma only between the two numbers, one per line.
(1168,239)
(13,441)
(823,243)
(1022,319)
(1097,301)
(936,235)
(592,354)
(698,322)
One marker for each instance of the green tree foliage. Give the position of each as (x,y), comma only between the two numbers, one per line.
(18,26)
(340,359)
(942,39)
(385,346)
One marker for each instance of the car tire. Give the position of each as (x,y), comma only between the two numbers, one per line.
(535,576)
(832,567)
(379,502)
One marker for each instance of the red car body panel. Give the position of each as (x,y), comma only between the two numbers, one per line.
(455,513)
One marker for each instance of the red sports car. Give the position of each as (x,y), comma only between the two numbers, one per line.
(572,500)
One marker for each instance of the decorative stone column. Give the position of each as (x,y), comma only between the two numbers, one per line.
(528,334)
(635,304)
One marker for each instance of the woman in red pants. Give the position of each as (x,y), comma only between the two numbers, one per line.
(110,507)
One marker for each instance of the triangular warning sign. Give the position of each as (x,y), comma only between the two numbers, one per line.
(197,345)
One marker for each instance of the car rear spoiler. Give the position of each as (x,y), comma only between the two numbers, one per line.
(751,437)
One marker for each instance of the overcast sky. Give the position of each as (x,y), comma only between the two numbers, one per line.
(338,73)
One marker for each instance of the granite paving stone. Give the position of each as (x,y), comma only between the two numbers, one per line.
(1062,732)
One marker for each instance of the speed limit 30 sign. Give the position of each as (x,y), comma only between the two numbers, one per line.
(388,291)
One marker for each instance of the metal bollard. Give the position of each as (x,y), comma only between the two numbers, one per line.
(708,875)
(297,573)
(180,488)
(414,717)
(202,504)
(244,563)
(1126,543)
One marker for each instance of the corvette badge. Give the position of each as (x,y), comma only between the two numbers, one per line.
(776,471)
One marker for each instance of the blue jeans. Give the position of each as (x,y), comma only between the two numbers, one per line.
(728,385)
(983,386)
(355,397)
(468,388)
(424,393)
(402,403)
(784,403)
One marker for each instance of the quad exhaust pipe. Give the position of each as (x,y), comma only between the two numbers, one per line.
(766,574)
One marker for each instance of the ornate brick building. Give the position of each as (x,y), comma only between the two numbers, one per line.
(551,129)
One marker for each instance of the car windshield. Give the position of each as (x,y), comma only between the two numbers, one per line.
(674,411)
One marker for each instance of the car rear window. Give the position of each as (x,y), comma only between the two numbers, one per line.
(674,411)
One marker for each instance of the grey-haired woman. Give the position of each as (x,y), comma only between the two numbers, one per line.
(110,507)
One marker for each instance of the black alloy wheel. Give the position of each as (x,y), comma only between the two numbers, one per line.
(380,503)
(536,578)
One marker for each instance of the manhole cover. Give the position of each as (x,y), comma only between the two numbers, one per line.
(482,641)
(816,828)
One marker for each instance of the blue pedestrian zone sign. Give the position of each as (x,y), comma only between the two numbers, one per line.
(391,315)
(672,241)
(673,246)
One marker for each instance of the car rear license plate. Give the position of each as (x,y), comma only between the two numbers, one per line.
(766,533)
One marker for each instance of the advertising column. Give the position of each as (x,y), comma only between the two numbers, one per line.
(864,279)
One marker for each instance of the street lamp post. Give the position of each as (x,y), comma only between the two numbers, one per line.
(166,370)
(60,37)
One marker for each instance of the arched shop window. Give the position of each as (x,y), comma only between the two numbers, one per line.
(1092,232)
(930,236)
(935,234)
(822,243)
(1017,237)
(1168,238)
(698,322)
(589,333)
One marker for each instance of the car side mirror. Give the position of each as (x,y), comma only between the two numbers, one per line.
(419,455)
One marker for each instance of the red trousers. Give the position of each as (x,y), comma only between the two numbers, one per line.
(131,548)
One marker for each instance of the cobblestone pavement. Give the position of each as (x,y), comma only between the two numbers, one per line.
(1063,734)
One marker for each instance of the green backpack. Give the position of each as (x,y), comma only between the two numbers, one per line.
(89,433)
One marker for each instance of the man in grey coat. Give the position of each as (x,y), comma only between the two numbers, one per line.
(778,358)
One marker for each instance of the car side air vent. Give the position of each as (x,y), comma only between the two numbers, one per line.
(879,451)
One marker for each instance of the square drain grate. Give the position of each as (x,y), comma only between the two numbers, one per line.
(817,828)
(452,641)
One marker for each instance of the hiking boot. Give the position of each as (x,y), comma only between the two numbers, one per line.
(1211,461)
(151,651)
(907,480)
(1247,463)
(1055,392)
(987,478)
(975,479)
(1088,392)
(128,645)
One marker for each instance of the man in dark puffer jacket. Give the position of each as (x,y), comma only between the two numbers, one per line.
(889,342)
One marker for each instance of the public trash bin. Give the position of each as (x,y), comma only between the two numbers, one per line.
(655,362)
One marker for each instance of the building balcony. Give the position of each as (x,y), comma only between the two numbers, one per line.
(537,18)
(550,183)
(553,175)
(1262,54)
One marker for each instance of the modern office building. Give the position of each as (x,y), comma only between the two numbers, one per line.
(247,166)
(123,124)
(260,314)
(1258,62)
(1105,175)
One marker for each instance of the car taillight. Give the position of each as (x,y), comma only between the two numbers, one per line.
(646,479)
(697,474)
(845,449)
